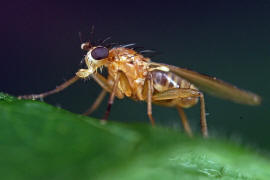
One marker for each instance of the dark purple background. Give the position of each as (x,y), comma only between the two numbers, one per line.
(40,48)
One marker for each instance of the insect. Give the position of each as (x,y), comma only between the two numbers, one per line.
(132,75)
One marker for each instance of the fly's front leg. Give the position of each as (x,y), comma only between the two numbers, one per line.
(56,90)
(103,82)
(112,96)
(121,79)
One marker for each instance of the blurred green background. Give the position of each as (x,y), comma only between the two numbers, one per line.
(40,48)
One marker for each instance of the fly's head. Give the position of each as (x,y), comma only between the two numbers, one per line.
(95,58)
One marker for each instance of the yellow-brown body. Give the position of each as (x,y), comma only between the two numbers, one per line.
(136,69)
(132,75)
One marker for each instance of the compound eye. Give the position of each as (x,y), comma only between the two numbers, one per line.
(100,53)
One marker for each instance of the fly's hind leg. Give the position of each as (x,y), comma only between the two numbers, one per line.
(185,93)
(184,121)
(203,117)
(176,93)
(56,90)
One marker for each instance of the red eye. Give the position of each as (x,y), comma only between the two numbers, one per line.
(100,53)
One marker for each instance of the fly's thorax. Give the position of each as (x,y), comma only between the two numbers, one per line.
(135,72)
(133,64)
(126,55)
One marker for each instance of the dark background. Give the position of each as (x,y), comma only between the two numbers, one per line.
(40,48)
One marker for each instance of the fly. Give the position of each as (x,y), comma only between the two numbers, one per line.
(132,75)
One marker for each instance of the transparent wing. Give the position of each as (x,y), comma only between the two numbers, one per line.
(215,86)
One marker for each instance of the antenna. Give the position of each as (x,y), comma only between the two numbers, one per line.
(92,31)
(80,37)
(106,39)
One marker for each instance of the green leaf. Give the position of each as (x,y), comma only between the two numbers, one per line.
(39,141)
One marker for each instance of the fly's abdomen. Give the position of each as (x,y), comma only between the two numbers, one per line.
(163,81)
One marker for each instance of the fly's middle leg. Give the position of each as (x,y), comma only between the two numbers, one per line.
(148,95)
(96,104)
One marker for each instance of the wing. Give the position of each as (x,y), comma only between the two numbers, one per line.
(215,86)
